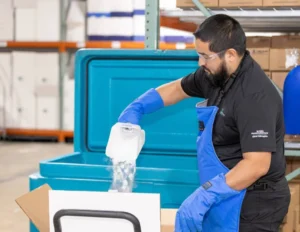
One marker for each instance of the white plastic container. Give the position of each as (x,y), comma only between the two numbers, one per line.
(124,145)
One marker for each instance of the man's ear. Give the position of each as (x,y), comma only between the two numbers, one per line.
(231,54)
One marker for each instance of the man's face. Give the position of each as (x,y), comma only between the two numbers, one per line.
(214,66)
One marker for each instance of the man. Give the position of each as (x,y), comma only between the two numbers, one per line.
(240,146)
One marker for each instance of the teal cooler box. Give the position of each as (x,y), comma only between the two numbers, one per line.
(106,81)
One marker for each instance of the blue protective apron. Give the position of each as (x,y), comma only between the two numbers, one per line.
(225,216)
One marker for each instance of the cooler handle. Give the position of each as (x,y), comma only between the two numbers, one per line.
(95,213)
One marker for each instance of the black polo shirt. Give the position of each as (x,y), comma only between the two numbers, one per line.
(250,116)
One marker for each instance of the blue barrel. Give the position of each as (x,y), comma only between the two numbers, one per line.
(291,102)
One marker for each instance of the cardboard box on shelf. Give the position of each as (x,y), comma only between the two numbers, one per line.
(296,218)
(279,78)
(284,59)
(289,224)
(261,56)
(285,41)
(267,3)
(240,3)
(295,165)
(38,208)
(189,3)
(288,167)
(258,41)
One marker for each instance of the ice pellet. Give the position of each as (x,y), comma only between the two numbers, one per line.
(123,176)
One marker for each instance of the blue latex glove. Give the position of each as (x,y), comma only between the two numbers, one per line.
(190,215)
(147,103)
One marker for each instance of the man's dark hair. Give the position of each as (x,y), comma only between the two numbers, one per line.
(222,32)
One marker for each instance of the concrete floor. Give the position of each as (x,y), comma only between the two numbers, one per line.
(17,161)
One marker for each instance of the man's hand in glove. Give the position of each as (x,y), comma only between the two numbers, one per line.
(147,103)
(191,213)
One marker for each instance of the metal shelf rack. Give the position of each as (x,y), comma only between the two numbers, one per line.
(258,19)
(252,19)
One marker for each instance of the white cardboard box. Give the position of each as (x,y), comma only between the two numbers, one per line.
(48,20)
(6,20)
(25,24)
(76,21)
(5,89)
(47,71)
(25,3)
(47,113)
(24,71)
(23,109)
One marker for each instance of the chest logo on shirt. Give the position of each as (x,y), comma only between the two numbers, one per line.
(222,113)
(260,134)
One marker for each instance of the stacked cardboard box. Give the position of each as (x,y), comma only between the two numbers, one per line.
(284,54)
(259,48)
(276,55)
(291,222)
(189,3)
(37,20)
(238,3)
(271,3)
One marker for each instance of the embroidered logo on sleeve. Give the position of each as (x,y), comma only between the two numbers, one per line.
(260,134)
(207,185)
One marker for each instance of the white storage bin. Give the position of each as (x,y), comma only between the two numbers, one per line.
(26,21)
(47,113)
(5,89)
(23,110)
(24,71)
(47,74)
(6,20)
(48,20)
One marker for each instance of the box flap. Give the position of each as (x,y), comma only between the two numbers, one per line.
(35,205)
(108,80)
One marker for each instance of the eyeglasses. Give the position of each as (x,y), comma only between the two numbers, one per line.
(210,57)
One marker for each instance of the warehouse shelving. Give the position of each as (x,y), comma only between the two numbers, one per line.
(63,46)
(276,19)
(258,19)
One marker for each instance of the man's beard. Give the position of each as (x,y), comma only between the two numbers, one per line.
(218,79)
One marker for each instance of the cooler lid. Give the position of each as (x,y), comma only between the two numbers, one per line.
(106,81)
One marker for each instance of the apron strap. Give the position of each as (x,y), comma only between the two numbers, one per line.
(223,91)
